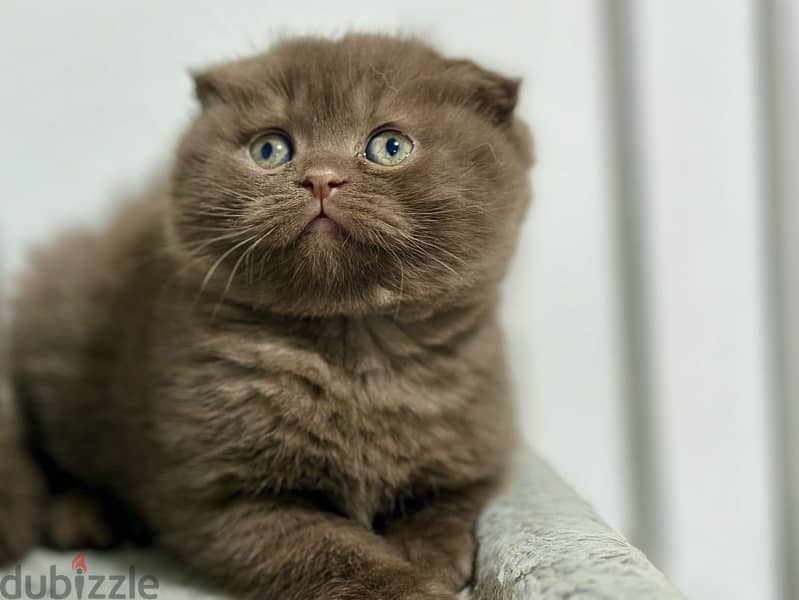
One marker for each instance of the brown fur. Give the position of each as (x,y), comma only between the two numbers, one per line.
(22,495)
(296,416)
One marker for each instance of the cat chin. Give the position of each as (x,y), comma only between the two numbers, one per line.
(382,297)
(318,299)
(322,307)
(372,301)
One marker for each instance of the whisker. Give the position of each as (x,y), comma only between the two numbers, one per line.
(219,261)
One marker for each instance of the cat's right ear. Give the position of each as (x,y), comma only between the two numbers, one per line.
(206,88)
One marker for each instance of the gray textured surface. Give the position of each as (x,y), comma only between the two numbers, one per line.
(538,540)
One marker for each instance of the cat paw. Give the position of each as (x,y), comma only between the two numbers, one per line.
(19,532)
(407,584)
(20,509)
(449,559)
(74,520)
(432,591)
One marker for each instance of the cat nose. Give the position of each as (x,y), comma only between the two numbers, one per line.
(322,184)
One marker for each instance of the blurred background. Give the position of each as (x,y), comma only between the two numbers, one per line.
(653,308)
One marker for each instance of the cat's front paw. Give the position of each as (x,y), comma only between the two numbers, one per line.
(429,591)
(406,584)
(448,558)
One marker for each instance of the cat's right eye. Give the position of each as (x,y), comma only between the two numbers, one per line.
(271,150)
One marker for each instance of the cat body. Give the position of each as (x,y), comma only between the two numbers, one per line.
(291,373)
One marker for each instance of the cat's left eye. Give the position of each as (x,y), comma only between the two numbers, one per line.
(271,150)
(388,147)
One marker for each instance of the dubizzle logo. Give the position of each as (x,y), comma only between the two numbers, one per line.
(81,585)
(79,564)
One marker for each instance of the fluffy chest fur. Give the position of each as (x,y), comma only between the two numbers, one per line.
(360,413)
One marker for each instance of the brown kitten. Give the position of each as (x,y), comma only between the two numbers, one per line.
(285,359)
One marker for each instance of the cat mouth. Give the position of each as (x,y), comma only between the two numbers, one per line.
(325,222)
(322,224)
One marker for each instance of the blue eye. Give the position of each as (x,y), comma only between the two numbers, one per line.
(271,150)
(392,146)
(388,148)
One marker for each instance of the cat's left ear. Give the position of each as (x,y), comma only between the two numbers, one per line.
(491,93)
(206,88)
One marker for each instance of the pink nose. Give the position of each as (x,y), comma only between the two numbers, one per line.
(322,184)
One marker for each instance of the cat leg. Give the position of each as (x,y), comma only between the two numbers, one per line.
(270,548)
(76,520)
(439,538)
(21,498)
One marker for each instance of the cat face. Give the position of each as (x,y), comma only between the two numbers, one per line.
(356,176)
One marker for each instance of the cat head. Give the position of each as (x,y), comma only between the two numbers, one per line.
(355,176)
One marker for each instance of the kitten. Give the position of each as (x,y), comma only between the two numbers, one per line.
(285,358)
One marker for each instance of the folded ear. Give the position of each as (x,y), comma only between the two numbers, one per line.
(206,88)
(490,93)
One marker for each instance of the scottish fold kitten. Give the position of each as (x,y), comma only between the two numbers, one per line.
(283,362)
